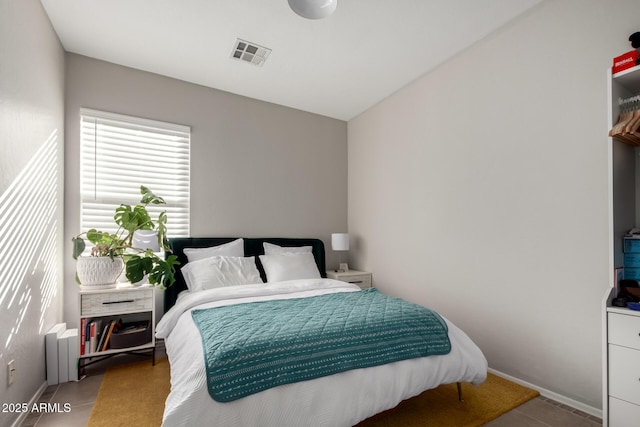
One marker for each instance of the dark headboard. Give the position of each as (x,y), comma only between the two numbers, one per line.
(252,247)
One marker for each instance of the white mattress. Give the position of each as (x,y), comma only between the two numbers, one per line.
(342,399)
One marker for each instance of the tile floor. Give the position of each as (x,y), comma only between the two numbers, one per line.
(81,395)
(539,412)
(543,412)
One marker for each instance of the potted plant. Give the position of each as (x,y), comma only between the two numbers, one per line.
(117,251)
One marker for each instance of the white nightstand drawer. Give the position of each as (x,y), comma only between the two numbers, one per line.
(624,330)
(100,304)
(624,373)
(362,280)
(623,414)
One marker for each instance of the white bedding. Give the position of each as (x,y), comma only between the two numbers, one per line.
(338,400)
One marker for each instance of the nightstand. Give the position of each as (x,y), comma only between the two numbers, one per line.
(101,309)
(360,278)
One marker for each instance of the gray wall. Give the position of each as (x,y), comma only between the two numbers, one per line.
(31,193)
(257,169)
(481,190)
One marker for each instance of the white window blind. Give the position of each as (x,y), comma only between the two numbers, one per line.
(119,154)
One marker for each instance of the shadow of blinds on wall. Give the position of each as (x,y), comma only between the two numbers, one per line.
(119,154)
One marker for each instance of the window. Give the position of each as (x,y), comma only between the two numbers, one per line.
(120,153)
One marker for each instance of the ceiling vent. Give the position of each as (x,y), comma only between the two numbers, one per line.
(250,52)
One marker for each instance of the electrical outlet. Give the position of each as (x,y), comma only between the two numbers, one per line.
(11,372)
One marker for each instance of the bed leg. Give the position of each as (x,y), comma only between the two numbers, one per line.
(460,392)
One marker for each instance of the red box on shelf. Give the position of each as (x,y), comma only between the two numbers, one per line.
(627,60)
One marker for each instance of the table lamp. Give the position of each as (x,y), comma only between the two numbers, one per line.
(340,243)
(146,239)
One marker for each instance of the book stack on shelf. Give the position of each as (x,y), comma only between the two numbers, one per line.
(100,334)
(96,334)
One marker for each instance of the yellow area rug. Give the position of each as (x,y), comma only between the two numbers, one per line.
(134,395)
(440,407)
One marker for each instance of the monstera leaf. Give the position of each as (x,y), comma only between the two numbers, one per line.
(160,272)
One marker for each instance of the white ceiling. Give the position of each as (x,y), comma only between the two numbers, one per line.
(338,66)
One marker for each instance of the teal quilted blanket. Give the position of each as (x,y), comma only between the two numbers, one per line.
(251,347)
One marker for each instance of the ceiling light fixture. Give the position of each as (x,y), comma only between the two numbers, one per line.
(313,9)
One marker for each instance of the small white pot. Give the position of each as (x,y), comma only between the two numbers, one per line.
(99,272)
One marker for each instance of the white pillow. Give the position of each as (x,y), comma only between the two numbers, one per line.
(219,271)
(235,248)
(271,249)
(289,267)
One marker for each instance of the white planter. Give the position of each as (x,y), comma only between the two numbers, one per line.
(99,272)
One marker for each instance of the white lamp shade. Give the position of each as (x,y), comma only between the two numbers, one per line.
(340,241)
(313,9)
(146,239)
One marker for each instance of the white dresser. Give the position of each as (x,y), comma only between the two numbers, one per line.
(623,336)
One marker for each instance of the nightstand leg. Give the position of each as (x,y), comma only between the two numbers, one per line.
(153,356)
(460,392)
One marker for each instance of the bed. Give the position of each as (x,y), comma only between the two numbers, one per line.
(343,398)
